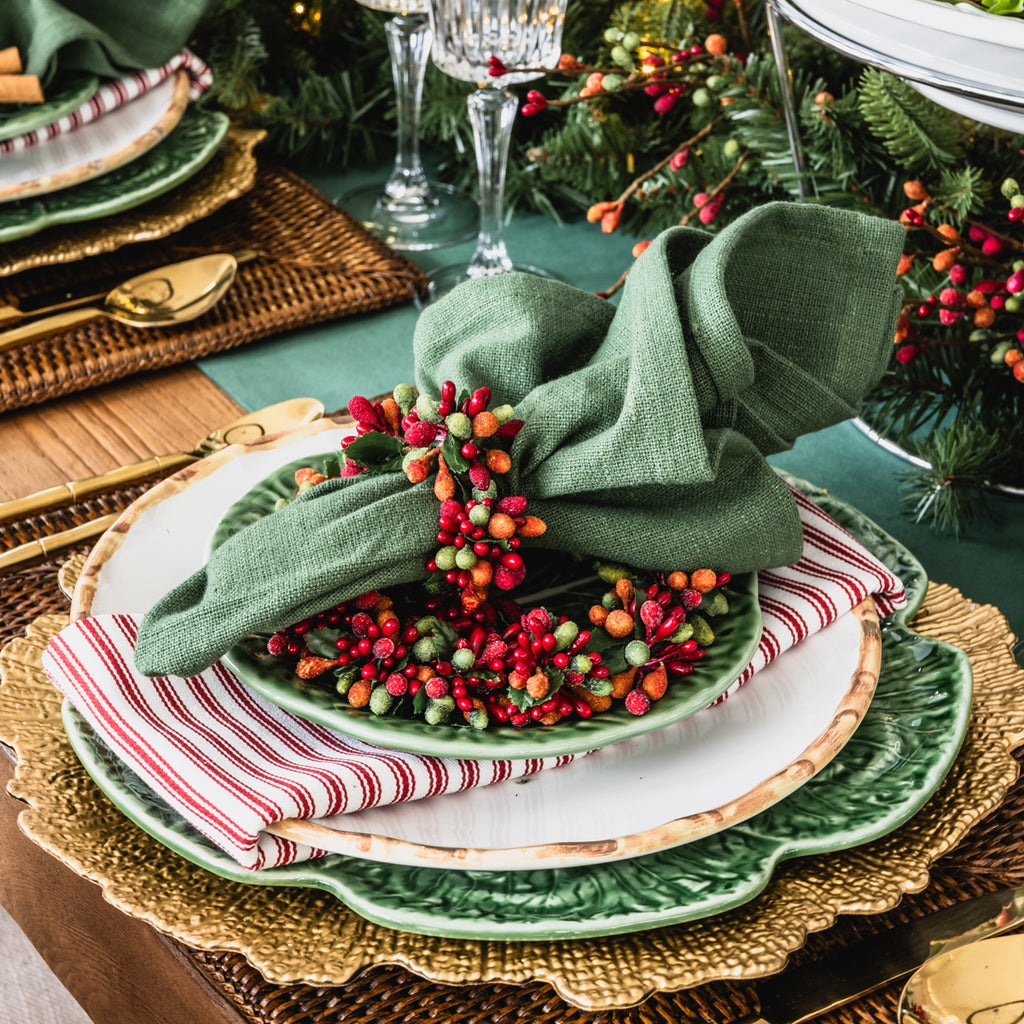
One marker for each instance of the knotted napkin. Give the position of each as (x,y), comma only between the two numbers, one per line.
(231,763)
(113,94)
(646,427)
(103,37)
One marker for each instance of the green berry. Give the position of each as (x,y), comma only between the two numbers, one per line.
(612,83)
(1017,200)
(445,557)
(479,515)
(580,663)
(1013,304)
(622,57)
(731,149)
(565,634)
(631,40)
(503,413)
(426,409)
(405,396)
(466,558)
(464,659)
(459,424)
(1009,188)
(702,632)
(612,35)
(718,605)
(980,334)
(380,700)
(716,83)
(637,653)
(438,710)
(702,98)
(998,354)
(682,634)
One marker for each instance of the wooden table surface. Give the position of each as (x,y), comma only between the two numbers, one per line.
(120,969)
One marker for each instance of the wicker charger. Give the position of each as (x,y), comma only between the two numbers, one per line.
(318,264)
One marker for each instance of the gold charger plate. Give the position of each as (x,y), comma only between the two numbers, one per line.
(230,173)
(298,935)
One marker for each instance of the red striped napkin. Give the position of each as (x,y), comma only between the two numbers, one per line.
(231,763)
(113,94)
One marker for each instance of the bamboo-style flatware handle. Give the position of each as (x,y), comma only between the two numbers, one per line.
(77,490)
(48,325)
(45,547)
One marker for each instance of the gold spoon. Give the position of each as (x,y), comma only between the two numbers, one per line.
(168,295)
(978,983)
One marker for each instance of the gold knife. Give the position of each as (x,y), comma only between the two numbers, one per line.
(849,972)
(248,427)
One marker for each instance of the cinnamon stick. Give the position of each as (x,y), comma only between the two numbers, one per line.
(10,61)
(20,89)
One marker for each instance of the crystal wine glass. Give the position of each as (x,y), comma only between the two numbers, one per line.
(467,34)
(409,212)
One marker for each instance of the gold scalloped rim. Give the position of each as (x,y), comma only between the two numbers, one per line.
(303,935)
(230,173)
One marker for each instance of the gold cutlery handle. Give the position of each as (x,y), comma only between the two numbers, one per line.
(76,490)
(48,325)
(47,546)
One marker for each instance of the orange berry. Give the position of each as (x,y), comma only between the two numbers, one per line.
(975,299)
(501,525)
(392,414)
(1013,357)
(655,683)
(359,693)
(619,623)
(678,580)
(622,682)
(984,317)
(497,460)
(444,482)
(947,231)
(640,247)
(532,527)
(311,666)
(703,580)
(597,614)
(482,573)
(537,685)
(915,190)
(485,424)
(942,261)
(716,44)
(624,590)
(1018,372)
(824,99)
(906,262)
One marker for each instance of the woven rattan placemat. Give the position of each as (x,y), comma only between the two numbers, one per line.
(318,264)
(992,856)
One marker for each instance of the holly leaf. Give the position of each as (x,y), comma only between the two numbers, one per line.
(331,466)
(451,449)
(420,701)
(321,642)
(378,452)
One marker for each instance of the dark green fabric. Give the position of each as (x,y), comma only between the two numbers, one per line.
(646,427)
(106,37)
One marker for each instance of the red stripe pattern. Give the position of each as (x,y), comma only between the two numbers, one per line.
(112,94)
(231,763)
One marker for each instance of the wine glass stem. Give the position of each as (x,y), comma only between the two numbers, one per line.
(492,113)
(409,37)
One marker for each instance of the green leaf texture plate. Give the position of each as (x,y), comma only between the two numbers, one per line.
(65,96)
(736,638)
(180,155)
(907,742)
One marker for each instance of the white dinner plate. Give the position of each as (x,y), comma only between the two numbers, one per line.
(960,19)
(97,147)
(934,56)
(650,793)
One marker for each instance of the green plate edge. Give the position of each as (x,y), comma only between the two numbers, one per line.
(65,96)
(736,640)
(891,766)
(173,160)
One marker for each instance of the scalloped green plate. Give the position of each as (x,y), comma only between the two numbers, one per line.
(180,155)
(65,96)
(736,639)
(907,742)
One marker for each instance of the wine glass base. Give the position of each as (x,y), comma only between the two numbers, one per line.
(443,280)
(447,217)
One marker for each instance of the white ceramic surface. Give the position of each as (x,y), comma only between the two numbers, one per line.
(97,147)
(994,68)
(961,19)
(717,756)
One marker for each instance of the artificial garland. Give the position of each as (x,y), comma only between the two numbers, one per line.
(468,645)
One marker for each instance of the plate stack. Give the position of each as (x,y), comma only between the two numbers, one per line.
(96,147)
(671,817)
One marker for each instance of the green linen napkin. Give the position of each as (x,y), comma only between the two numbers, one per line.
(105,37)
(646,427)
